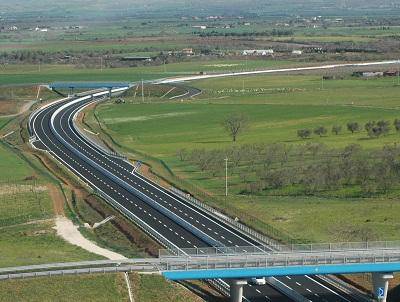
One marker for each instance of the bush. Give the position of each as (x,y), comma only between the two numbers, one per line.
(336,129)
(353,127)
(321,131)
(304,133)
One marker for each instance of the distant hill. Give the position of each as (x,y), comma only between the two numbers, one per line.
(93,9)
(173,8)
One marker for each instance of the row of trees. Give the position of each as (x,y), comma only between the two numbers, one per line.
(306,169)
(374,129)
(272,33)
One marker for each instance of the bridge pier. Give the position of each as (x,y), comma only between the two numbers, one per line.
(380,283)
(236,290)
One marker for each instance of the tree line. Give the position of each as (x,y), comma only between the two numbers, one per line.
(374,129)
(309,169)
(272,33)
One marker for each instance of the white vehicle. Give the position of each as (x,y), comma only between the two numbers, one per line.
(258,281)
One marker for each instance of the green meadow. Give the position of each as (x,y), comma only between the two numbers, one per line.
(31,74)
(276,107)
(96,287)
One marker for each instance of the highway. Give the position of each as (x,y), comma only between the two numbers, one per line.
(165,213)
(162,214)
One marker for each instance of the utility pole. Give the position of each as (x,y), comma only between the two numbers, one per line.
(142,92)
(226,177)
(322,83)
(101,63)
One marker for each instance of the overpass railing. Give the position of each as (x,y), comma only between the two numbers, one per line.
(284,249)
(284,260)
(208,264)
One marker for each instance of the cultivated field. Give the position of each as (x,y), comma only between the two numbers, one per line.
(276,107)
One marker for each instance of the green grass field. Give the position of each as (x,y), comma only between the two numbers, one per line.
(108,287)
(276,106)
(149,288)
(67,288)
(37,243)
(27,235)
(27,74)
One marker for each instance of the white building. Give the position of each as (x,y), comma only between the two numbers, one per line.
(258,52)
(297,52)
(200,26)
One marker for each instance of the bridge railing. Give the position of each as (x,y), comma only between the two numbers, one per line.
(283,249)
(283,260)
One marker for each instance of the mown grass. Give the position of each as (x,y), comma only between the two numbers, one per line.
(110,287)
(26,236)
(23,202)
(200,125)
(13,167)
(149,288)
(26,211)
(3,121)
(287,104)
(37,243)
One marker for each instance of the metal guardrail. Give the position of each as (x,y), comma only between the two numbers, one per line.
(230,221)
(140,223)
(92,142)
(168,213)
(285,260)
(216,262)
(285,249)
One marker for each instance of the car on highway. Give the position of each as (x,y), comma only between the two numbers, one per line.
(258,281)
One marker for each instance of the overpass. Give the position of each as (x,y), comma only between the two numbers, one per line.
(379,258)
(73,86)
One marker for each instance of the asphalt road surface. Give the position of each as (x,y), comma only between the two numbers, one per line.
(165,213)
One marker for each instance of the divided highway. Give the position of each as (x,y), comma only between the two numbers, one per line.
(162,214)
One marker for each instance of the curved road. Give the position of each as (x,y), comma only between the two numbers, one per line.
(163,213)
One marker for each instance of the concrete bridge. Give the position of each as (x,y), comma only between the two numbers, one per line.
(73,86)
(239,264)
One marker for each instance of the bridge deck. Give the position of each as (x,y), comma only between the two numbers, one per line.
(88,85)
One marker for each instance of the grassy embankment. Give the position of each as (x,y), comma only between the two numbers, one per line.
(27,208)
(109,287)
(27,235)
(276,112)
(29,193)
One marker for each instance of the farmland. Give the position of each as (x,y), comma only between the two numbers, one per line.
(276,107)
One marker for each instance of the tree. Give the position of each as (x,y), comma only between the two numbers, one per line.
(321,131)
(384,126)
(235,124)
(376,129)
(396,124)
(369,126)
(304,133)
(336,129)
(353,127)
